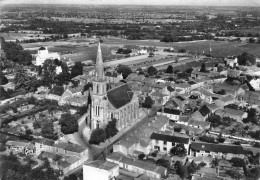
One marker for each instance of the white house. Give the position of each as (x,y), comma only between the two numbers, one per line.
(43,54)
(164,142)
(216,150)
(100,170)
(138,167)
(172,114)
(255,83)
(58,70)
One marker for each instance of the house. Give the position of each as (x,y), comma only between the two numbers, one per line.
(195,74)
(113,77)
(172,114)
(228,89)
(231,62)
(163,142)
(159,98)
(55,93)
(20,147)
(100,170)
(43,54)
(181,101)
(237,115)
(203,125)
(139,140)
(226,151)
(182,88)
(252,97)
(255,83)
(137,166)
(202,114)
(73,154)
(224,100)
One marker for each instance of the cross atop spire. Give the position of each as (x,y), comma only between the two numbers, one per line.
(99,64)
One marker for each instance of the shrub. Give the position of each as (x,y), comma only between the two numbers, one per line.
(141,156)
(154,154)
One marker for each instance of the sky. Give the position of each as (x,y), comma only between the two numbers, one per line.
(255,3)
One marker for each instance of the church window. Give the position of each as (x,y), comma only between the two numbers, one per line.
(97,89)
(97,110)
(112,115)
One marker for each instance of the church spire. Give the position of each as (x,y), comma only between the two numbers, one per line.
(99,64)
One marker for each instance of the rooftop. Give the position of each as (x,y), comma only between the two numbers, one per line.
(170,138)
(106,165)
(223,148)
(120,96)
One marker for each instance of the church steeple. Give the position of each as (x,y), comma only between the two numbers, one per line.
(99,65)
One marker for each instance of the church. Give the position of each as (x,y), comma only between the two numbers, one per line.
(120,103)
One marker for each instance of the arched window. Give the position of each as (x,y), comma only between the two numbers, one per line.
(97,89)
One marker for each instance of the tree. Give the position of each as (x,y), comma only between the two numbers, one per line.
(3,79)
(97,136)
(124,70)
(47,130)
(77,69)
(215,120)
(49,72)
(245,58)
(24,82)
(215,162)
(192,167)
(181,170)
(141,156)
(169,69)
(36,124)
(234,174)
(69,123)
(111,129)
(208,139)
(163,162)
(203,68)
(148,102)
(178,150)
(237,162)
(4,93)
(152,71)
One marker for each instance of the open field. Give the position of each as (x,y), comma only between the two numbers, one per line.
(219,48)
(253,30)
(23,36)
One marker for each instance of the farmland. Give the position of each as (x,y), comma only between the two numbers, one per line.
(219,48)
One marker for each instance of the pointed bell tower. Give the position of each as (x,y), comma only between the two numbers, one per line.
(99,95)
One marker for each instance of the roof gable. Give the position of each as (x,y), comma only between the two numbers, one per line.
(204,110)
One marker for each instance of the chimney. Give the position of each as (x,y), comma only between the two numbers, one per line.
(163,109)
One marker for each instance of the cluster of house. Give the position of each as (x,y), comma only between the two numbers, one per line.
(155,135)
(185,105)
(61,155)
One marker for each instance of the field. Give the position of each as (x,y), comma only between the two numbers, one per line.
(80,50)
(253,30)
(219,48)
(22,36)
(75,52)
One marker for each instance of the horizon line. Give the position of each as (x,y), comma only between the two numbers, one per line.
(119,4)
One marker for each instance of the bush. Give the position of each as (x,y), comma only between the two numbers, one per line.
(208,139)
(154,154)
(141,156)
(202,164)
(97,136)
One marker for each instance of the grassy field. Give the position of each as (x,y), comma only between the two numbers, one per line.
(253,30)
(219,48)
(21,36)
